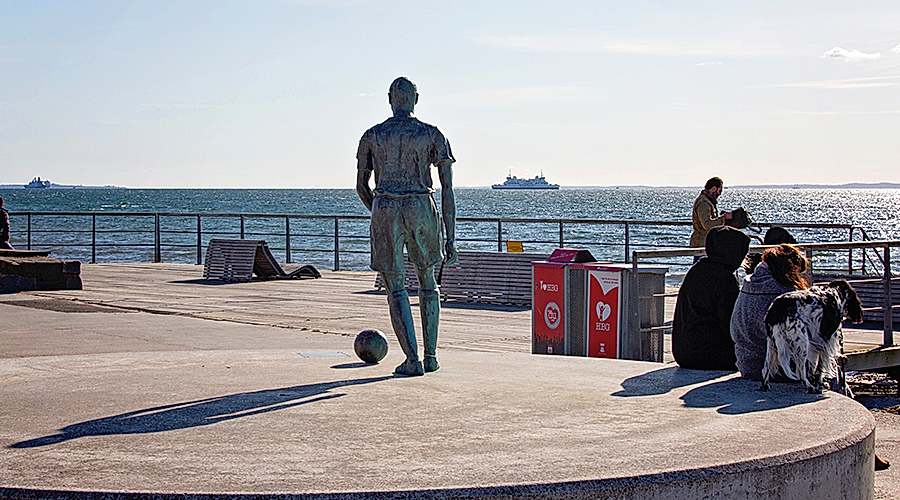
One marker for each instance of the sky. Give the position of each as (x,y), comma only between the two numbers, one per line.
(276,93)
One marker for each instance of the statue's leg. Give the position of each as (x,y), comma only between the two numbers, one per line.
(402,321)
(430,308)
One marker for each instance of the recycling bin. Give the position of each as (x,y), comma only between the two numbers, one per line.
(588,309)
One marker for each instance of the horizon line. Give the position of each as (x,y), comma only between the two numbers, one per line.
(888,184)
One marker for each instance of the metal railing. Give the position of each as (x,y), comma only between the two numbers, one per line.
(886,279)
(153,233)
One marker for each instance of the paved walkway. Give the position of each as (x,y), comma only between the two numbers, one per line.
(341,303)
(319,306)
(197,391)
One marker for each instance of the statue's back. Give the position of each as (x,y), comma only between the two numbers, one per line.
(401,151)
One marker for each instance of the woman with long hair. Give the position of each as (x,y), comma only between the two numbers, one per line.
(776,235)
(783,269)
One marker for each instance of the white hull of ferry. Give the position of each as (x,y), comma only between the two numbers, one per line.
(501,186)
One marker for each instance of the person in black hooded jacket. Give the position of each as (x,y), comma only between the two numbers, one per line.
(701,337)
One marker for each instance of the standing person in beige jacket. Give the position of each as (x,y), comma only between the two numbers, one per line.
(705,214)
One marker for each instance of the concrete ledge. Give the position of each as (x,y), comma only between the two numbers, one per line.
(213,424)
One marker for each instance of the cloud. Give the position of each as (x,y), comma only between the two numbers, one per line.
(593,44)
(708,63)
(843,54)
(896,50)
(844,83)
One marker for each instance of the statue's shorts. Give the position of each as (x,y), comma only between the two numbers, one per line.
(410,220)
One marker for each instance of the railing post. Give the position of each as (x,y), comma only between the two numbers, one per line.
(561,240)
(499,235)
(157,243)
(199,241)
(337,246)
(627,243)
(29,231)
(242,227)
(888,313)
(287,239)
(850,255)
(93,239)
(634,297)
(863,237)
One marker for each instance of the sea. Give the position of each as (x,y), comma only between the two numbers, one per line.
(130,238)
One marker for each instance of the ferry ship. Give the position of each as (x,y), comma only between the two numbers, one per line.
(513,182)
(37,183)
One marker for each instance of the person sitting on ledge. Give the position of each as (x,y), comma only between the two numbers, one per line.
(783,269)
(4,227)
(701,329)
(776,235)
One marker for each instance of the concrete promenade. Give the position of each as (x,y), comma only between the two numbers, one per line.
(151,381)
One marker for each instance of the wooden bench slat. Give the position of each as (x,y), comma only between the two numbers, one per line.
(483,277)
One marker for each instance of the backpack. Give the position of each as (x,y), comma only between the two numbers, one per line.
(741,219)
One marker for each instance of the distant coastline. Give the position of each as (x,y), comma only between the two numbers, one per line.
(60,186)
(852,185)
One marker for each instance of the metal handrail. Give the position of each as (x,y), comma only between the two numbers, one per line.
(158,232)
(865,236)
(263,215)
(835,245)
(886,280)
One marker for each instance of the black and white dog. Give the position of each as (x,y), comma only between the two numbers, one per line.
(805,340)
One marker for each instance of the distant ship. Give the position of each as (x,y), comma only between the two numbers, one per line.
(37,183)
(513,182)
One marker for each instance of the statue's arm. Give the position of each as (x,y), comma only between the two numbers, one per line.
(448,211)
(363,190)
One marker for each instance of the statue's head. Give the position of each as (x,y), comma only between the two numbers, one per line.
(403,95)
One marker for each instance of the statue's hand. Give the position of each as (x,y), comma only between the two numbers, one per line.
(451,256)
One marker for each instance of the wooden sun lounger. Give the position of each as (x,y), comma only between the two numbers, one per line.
(239,260)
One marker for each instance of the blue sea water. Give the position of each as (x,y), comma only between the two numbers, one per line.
(131,238)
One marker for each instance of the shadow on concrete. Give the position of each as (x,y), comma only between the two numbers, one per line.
(484,307)
(452,304)
(204,281)
(200,412)
(737,396)
(664,380)
(358,364)
(216,282)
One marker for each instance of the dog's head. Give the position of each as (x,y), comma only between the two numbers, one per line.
(852,307)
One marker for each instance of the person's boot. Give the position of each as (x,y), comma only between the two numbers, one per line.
(402,321)
(430,308)
(881,464)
